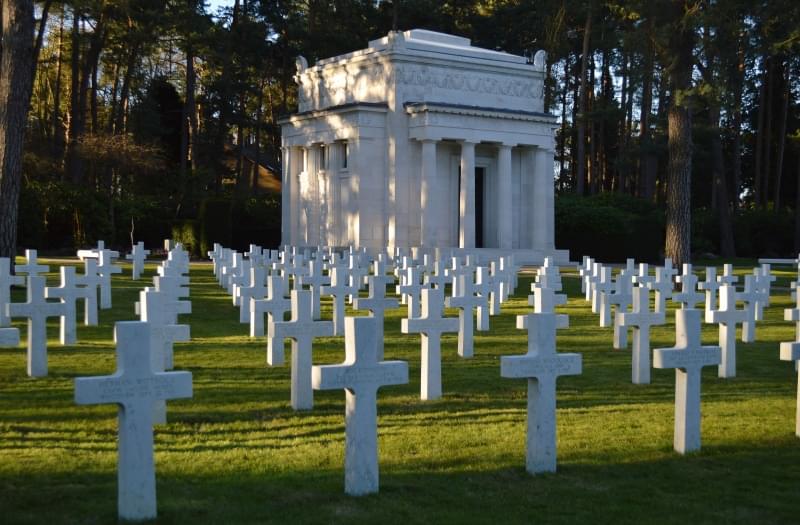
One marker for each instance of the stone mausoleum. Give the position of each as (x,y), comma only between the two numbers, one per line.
(421,140)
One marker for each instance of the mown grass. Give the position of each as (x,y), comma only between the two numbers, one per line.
(237,453)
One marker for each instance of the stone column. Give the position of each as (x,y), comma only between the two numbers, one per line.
(428,214)
(300,181)
(286,195)
(314,167)
(466,201)
(504,197)
(543,200)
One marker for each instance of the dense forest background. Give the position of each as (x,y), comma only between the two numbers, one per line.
(148,118)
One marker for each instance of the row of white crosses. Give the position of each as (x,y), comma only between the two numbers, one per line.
(140,386)
(719,298)
(37,309)
(472,288)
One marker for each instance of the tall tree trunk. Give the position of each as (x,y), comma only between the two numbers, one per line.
(646,160)
(758,174)
(257,153)
(678,186)
(58,134)
(736,123)
(124,94)
(726,240)
(93,99)
(37,47)
(767,150)
(74,161)
(782,136)
(679,118)
(16,83)
(581,119)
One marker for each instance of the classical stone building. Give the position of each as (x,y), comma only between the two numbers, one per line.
(377,153)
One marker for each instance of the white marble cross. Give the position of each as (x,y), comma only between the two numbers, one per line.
(663,287)
(548,276)
(727,276)
(431,325)
(497,280)
(727,316)
(710,287)
(410,289)
(302,330)
(763,281)
(37,309)
(584,272)
(161,311)
(790,351)
(544,300)
(338,290)
(256,289)
(31,267)
(275,305)
(315,280)
(643,277)
(361,375)
(688,297)
(440,276)
(135,387)
(105,268)
(7,280)
(641,319)
(89,282)
(592,277)
(750,296)
(541,366)
(68,293)
(669,270)
(483,287)
(687,357)
(377,303)
(239,276)
(621,299)
(466,301)
(602,295)
(137,257)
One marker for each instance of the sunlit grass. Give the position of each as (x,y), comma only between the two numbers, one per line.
(237,453)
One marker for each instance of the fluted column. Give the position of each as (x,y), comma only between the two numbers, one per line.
(543,200)
(286,195)
(427,213)
(466,201)
(504,196)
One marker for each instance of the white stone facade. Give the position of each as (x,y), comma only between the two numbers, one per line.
(374,155)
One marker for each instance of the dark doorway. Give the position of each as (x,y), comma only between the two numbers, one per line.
(479,175)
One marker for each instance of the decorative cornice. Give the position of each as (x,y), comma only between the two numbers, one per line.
(413,108)
(374,107)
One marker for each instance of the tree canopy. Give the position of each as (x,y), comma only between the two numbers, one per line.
(143,111)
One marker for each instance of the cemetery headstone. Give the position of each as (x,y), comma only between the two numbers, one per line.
(727,316)
(137,257)
(431,325)
(302,329)
(541,366)
(641,319)
(361,375)
(687,357)
(135,388)
(36,309)
(377,303)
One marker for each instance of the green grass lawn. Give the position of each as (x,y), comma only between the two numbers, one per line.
(237,453)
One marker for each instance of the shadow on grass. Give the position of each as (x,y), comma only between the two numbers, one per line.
(667,489)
